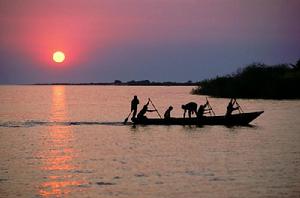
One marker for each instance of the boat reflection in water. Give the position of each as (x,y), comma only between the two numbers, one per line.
(58,154)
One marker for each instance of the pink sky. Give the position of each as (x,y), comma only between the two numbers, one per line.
(97,35)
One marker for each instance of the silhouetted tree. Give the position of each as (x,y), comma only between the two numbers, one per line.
(255,81)
(118,82)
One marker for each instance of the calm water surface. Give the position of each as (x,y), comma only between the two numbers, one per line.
(68,141)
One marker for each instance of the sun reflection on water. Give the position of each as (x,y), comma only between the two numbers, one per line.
(59,109)
(58,154)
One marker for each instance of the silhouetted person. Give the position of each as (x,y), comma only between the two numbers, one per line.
(230,107)
(141,114)
(201,110)
(191,107)
(167,114)
(134,104)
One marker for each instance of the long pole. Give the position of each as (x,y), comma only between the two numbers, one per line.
(126,119)
(209,107)
(154,108)
(239,107)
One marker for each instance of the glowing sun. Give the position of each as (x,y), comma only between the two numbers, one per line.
(58,57)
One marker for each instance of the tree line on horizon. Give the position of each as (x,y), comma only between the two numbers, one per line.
(256,80)
(130,83)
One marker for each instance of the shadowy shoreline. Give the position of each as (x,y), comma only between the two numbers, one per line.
(255,81)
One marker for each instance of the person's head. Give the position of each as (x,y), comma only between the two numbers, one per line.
(170,107)
(135,97)
(183,106)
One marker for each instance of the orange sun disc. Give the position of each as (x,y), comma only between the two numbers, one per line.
(58,57)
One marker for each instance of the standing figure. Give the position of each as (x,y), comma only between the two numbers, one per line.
(134,104)
(230,107)
(167,114)
(191,107)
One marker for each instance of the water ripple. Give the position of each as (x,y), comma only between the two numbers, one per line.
(33,123)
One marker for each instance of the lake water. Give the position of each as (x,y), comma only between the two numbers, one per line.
(69,141)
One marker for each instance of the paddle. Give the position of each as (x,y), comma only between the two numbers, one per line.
(210,108)
(239,107)
(154,107)
(126,119)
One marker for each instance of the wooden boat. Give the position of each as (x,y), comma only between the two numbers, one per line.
(235,119)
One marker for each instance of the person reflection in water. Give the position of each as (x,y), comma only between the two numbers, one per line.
(190,107)
(230,107)
(141,115)
(167,114)
(134,105)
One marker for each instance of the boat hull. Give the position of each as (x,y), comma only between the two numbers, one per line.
(235,119)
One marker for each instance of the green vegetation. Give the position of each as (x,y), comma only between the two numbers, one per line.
(256,81)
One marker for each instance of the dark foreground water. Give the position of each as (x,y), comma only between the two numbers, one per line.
(68,141)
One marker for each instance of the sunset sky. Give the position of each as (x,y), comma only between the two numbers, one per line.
(159,40)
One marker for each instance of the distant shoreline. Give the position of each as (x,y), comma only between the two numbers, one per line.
(130,83)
